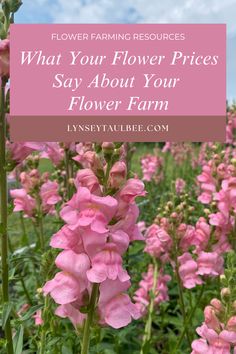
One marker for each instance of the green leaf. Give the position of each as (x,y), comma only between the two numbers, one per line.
(18,340)
(15,5)
(6,9)
(30,313)
(7,307)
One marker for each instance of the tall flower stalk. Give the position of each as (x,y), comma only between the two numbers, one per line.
(3,225)
(148,326)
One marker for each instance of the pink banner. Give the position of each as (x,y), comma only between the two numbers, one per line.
(118,70)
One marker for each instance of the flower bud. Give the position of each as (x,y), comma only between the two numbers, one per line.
(211,319)
(207,211)
(217,304)
(108,148)
(231,325)
(225,293)
(39,291)
(117,174)
(71,181)
(4,58)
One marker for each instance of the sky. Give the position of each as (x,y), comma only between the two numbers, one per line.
(140,11)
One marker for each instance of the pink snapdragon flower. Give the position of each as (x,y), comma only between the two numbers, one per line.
(186,234)
(107,264)
(54,152)
(127,214)
(67,286)
(117,174)
(188,271)
(92,160)
(38,318)
(207,183)
(179,185)
(214,340)
(142,295)
(23,202)
(66,239)
(49,196)
(19,151)
(5,58)
(70,311)
(132,189)
(97,231)
(87,210)
(150,165)
(87,178)
(202,234)
(158,241)
(210,263)
(115,307)
(30,180)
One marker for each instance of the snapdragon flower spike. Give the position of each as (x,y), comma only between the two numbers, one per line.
(216,337)
(30,180)
(207,183)
(97,232)
(158,241)
(150,165)
(25,199)
(142,295)
(179,185)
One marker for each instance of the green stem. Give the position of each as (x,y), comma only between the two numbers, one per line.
(41,234)
(182,305)
(42,343)
(68,174)
(25,290)
(180,289)
(4,211)
(188,321)
(89,319)
(24,238)
(40,225)
(148,326)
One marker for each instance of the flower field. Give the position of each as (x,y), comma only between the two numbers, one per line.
(119,248)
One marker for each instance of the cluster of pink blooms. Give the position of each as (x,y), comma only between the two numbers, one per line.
(218,333)
(151,165)
(18,152)
(97,232)
(35,187)
(218,190)
(143,294)
(179,186)
(195,260)
(181,152)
